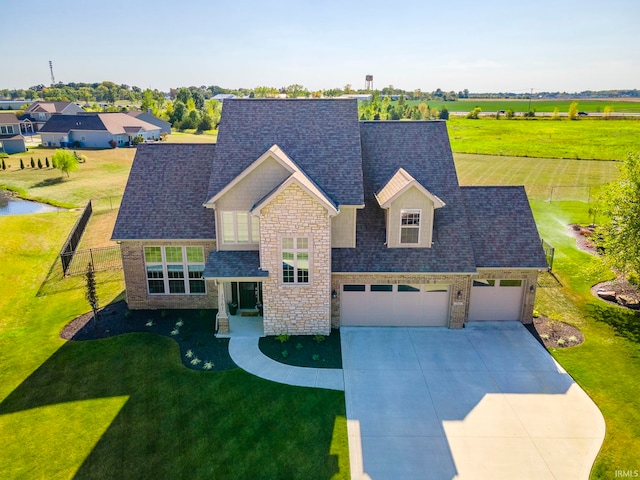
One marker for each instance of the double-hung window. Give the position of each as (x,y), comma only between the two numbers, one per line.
(175,270)
(6,129)
(295,260)
(409,226)
(240,227)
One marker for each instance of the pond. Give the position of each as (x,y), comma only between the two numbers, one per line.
(16,206)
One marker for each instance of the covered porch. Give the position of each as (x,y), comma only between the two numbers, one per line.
(240,303)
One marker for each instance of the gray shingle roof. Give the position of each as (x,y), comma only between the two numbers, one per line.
(423,150)
(321,136)
(165,192)
(66,123)
(233,264)
(502,228)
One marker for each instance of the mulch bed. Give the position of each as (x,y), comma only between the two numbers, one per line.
(554,333)
(619,285)
(301,349)
(195,335)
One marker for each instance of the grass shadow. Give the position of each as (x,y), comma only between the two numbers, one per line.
(625,323)
(177,423)
(48,182)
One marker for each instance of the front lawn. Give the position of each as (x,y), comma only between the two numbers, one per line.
(607,364)
(126,406)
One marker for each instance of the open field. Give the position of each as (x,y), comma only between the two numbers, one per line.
(580,139)
(491,105)
(104,173)
(539,175)
(192,137)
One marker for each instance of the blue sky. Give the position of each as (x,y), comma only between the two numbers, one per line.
(496,45)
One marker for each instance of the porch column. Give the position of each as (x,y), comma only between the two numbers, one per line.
(222,318)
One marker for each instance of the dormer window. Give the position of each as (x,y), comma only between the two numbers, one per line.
(410,226)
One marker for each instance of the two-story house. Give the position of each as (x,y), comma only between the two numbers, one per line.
(11,140)
(314,219)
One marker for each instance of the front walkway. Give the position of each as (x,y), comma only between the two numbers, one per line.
(246,354)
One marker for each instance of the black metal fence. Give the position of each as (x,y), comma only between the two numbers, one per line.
(549,252)
(66,254)
(103,258)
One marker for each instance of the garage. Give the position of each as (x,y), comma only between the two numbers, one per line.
(394,305)
(496,300)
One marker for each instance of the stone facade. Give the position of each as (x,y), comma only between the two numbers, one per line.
(135,276)
(296,308)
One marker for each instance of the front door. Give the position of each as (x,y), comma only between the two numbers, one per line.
(247,294)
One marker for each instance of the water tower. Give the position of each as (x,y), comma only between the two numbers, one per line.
(368,82)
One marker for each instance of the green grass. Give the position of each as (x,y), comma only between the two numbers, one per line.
(491,105)
(607,365)
(189,136)
(541,176)
(580,139)
(126,407)
(104,174)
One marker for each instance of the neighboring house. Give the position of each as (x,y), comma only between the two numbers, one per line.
(96,130)
(40,112)
(11,140)
(165,127)
(314,219)
(223,96)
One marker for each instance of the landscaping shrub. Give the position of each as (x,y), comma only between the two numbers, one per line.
(39,163)
(33,164)
(21,165)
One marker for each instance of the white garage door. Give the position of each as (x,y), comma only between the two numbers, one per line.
(394,305)
(496,300)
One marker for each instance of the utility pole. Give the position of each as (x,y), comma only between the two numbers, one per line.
(53,79)
(530,95)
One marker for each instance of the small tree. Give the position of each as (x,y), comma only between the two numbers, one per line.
(65,161)
(509,114)
(4,167)
(556,114)
(39,163)
(21,165)
(620,202)
(46,161)
(444,114)
(91,293)
(608,110)
(474,114)
(33,164)
(53,163)
(573,110)
(137,140)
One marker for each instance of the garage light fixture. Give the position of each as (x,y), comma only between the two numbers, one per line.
(334,294)
(459,296)
(531,288)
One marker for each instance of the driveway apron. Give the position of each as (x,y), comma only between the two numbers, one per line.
(485,402)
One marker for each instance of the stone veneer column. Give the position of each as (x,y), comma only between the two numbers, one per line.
(293,308)
(222,317)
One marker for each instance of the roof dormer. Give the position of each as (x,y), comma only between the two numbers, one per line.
(409,209)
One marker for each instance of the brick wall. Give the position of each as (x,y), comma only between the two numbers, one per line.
(291,308)
(135,277)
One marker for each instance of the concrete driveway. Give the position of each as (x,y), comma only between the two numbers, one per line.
(485,402)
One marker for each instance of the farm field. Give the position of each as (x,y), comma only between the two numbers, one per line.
(579,139)
(546,105)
